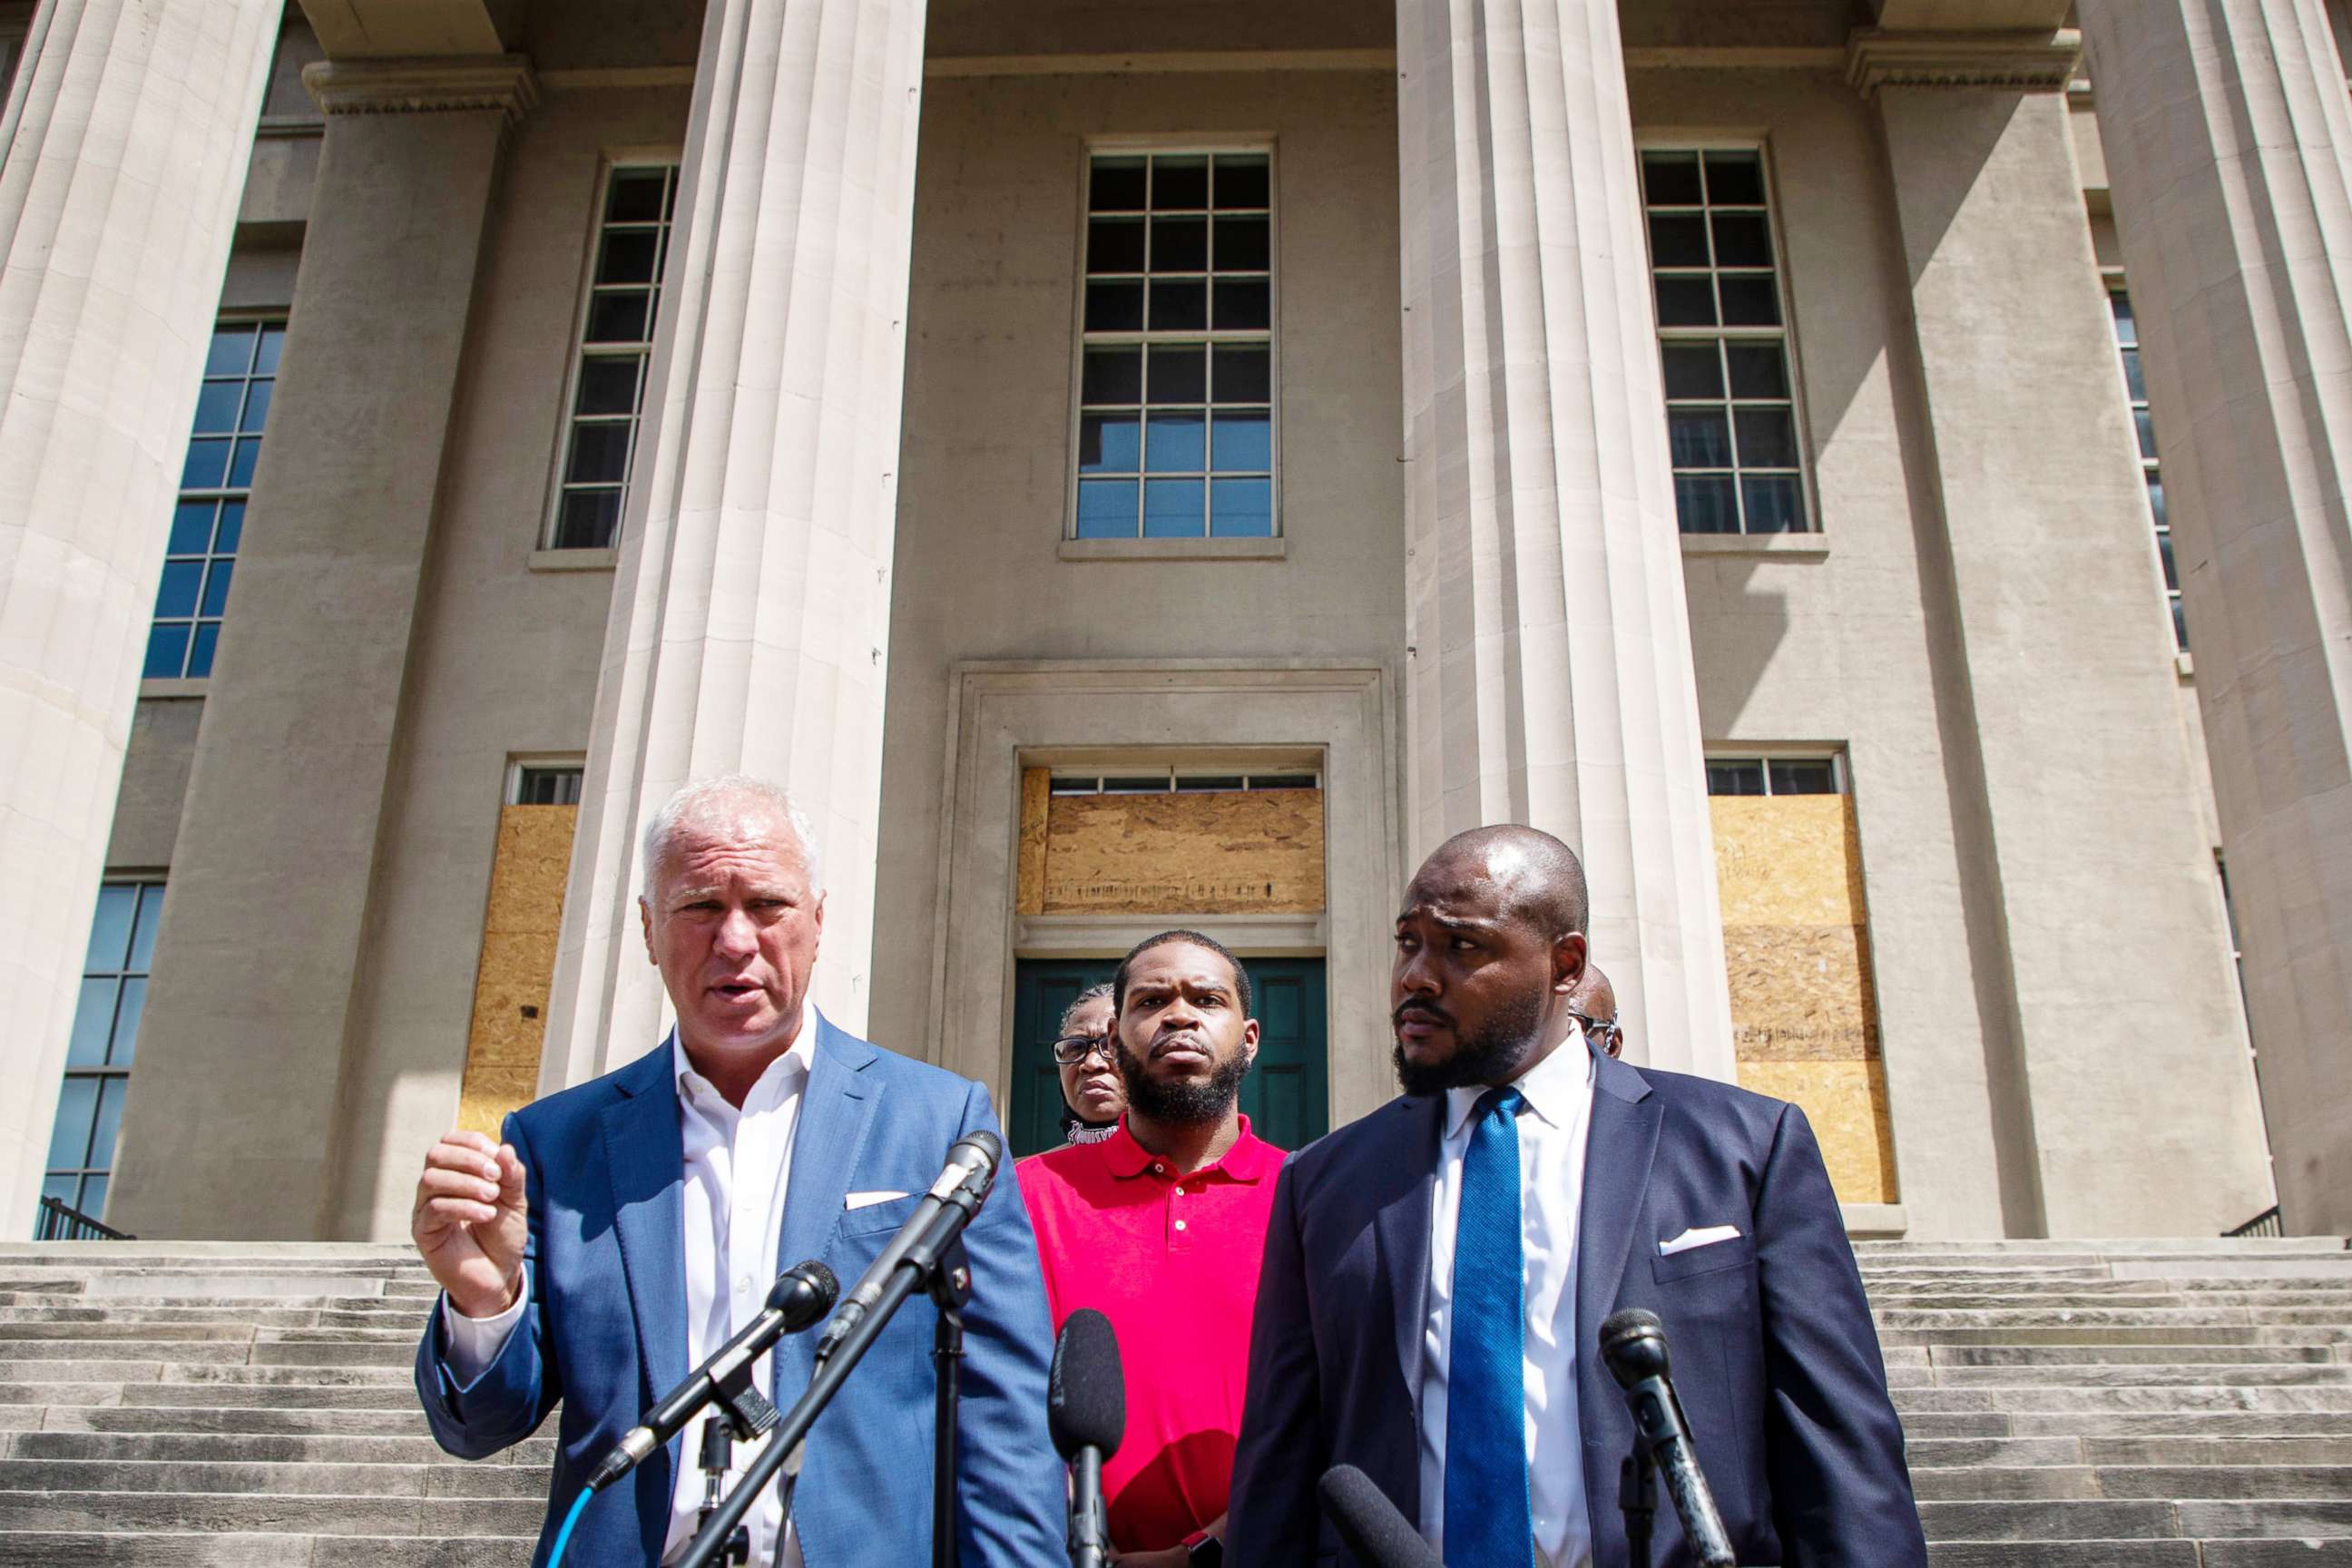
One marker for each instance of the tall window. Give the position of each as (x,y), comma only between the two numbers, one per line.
(105,1036)
(616,342)
(2136,389)
(215,481)
(1176,385)
(1774,776)
(1731,411)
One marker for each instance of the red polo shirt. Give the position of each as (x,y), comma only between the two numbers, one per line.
(1173,1263)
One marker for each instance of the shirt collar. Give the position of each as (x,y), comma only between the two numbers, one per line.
(779,1078)
(1552,1087)
(1251,1158)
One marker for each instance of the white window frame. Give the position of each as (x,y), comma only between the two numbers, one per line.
(1702,141)
(1841,769)
(510,792)
(1177,145)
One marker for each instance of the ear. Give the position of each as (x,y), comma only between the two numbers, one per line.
(817,915)
(646,919)
(1249,1041)
(1568,955)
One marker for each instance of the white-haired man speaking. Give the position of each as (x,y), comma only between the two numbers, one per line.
(624,1229)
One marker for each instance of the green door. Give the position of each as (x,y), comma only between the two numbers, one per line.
(1286,1097)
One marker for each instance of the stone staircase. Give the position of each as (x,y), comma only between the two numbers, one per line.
(2129,1404)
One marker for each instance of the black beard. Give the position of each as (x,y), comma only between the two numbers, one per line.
(1188,1103)
(1491,1056)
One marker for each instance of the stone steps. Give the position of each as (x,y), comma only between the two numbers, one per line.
(2133,1405)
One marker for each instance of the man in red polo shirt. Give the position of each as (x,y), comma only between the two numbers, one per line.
(1160,1228)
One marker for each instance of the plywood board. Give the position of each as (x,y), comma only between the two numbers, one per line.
(1800,992)
(1210,852)
(517,962)
(1788,860)
(1029,887)
(1846,1103)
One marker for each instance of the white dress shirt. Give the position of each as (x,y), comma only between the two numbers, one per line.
(737,1166)
(1552,1129)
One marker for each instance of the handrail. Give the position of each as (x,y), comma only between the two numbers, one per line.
(2266,1222)
(62,1222)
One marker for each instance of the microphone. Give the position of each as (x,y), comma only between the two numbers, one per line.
(1376,1533)
(1085,1414)
(801,1295)
(1633,1343)
(964,1183)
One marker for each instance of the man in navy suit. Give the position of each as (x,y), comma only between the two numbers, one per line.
(1436,1274)
(627,1227)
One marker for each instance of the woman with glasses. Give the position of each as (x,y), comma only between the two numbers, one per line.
(1093,1094)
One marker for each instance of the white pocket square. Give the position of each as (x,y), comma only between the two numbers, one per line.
(867,1200)
(1697,1238)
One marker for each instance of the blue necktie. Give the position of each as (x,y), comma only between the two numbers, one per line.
(1489,1521)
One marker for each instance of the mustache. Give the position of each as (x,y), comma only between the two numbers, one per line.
(1418,1011)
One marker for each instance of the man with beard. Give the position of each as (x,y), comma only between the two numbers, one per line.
(1436,1274)
(1160,1227)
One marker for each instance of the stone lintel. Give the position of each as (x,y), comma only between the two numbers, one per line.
(422,84)
(2033,61)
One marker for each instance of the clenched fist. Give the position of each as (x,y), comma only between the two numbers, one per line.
(471,1220)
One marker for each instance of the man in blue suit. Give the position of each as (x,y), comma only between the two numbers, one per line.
(627,1227)
(1436,1275)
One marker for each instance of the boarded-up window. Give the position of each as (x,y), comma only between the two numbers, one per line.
(519,935)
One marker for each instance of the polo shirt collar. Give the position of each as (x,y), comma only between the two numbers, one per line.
(1554,1088)
(1251,1158)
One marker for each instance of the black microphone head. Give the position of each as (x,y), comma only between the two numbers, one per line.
(803,1293)
(1085,1395)
(1633,1343)
(1376,1533)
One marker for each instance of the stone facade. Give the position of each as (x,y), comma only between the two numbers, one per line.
(849,556)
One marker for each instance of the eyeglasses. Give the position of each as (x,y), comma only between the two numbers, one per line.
(1606,1033)
(1072,1049)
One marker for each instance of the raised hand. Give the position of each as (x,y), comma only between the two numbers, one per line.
(471,1220)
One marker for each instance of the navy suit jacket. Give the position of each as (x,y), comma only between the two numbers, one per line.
(1775,1358)
(605,1330)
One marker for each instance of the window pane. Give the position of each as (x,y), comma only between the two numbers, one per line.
(70,1136)
(273,343)
(1181,376)
(629,255)
(1670,179)
(1180,245)
(600,454)
(1243,374)
(1742,777)
(1114,307)
(1179,182)
(207,466)
(192,528)
(1174,443)
(1116,184)
(1767,437)
(1109,443)
(167,652)
(1693,370)
(232,528)
(2156,500)
(1698,438)
(216,407)
(1678,239)
(1148,784)
(111,1095)
(93,1197)
(2147,429)
(64,1189)
(1242,245)
(216,599)
(150,920)
(608,385)
(232,350)
(2179,628)
(2127,329)
(1107,509)
(1685,302)
(1207,782)
(1735,179)
(109,930)
(1241,509)
(1245,305)
(200,649)
(1758,370)
(1749,300)
(1813,775)
(1706,503)
(256,407)
(1179,307)
(240,468)
(1241,443)
(2164,555)
(1173,508)
(1775,503)
(177,594)
(1242,179)
(2134,381)
(588,520)
(93,1023)
(1115,245)
(636,196)
(1742,239)
(126,1023)
(1112,376)
(619,316)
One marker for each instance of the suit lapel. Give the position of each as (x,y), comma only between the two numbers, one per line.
(1618,1150)
(837,1111)
(645,1154)
(1402,1225)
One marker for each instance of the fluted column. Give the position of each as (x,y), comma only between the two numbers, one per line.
(2228,148)
(751,612)
(126,136)
(1550,673)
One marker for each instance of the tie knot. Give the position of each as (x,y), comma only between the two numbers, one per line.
(1503,1098)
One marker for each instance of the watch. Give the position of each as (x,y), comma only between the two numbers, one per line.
(1208,1552)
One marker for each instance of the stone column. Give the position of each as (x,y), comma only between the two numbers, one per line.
(125,141)
(1549,669)
(2067,672)
(751,605)
(251,1005)
(2229,147)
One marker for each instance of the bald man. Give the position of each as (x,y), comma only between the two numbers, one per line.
(1436,1274)
(1593,1004)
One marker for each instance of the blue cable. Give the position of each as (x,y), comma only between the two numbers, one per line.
(578,1506)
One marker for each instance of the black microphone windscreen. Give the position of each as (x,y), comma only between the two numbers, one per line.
(1086,1397)
(803,1293)
(1634,1344)
(1376,1533)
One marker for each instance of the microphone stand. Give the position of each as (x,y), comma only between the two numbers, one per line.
(949,1283)
(1637,1499)
(935,1262)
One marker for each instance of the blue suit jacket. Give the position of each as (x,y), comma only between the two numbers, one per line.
(1775,1358)
(606,1328)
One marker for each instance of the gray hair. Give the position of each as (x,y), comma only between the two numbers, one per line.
(700,801)
(1097,992)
